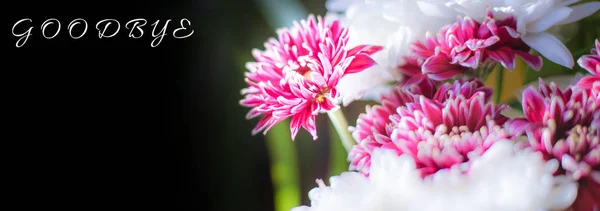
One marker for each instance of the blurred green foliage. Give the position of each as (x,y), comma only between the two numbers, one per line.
(284,167)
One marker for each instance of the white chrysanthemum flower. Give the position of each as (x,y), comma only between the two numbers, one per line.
(394,24)
(501,179)
(535,18)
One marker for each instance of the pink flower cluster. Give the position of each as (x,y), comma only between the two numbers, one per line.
(296,75)
(441,124)
(443,130)
(565,125)
(467,45)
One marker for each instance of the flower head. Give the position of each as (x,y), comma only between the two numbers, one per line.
(565,125)
(444,134)
(500,179)
(468,45)
(373,128)
(591,63)
(534,18)
(439,130)
(296,75)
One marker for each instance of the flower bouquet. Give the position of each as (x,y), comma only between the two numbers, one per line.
(439,138)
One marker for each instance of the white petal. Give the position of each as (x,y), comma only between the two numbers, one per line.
(581,11)
(568,163)
(567,3)
(354,86)
(596,176)
(552,18)
(474,9)
(338,5)
(562,196)
(550,47)
(436,10)
(301,208)
(552,166)
(535,10)
(502,180)
(400,42)
(374,94)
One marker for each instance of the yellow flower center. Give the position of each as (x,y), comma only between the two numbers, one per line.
(320,98)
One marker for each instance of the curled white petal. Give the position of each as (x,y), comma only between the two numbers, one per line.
(550,47)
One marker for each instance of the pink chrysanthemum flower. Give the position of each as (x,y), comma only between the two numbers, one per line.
(404,119)
(468,45)
(566,125)
(591,63)
(373,128)
(443,134)
(297,74)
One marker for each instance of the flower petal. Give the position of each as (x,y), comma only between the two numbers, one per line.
(589,63)
(368,49)
(432,9)
(533,61)
(360,62)
(550,47)
(587,82)
(533,105)
(505,56)
(563,195)
(581,11)
(439,68)
(431,110)
(549,20)
(337,5)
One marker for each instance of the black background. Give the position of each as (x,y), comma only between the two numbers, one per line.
(114,123)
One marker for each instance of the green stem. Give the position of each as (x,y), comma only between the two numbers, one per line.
(341,126)
(337,155)
(498,88)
